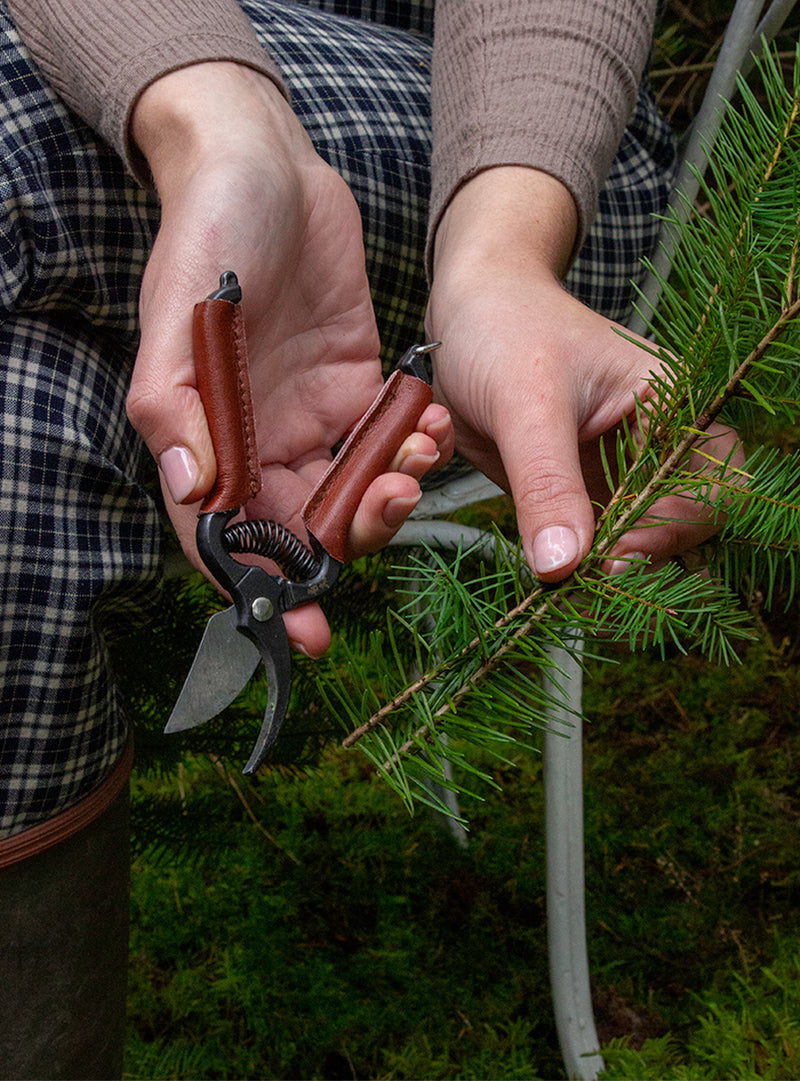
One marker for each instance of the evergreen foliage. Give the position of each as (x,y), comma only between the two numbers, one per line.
(453,672)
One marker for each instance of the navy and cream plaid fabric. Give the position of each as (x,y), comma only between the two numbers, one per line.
(77,529)
(79,518)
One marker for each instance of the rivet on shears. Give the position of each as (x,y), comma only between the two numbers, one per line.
(262,609)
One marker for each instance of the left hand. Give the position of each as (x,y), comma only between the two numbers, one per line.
(533,379)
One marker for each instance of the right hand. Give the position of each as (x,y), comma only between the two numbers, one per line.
(242,189)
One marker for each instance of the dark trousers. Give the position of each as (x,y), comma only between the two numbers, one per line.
(63,956)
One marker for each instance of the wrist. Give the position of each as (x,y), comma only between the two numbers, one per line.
(506,215)
(209,113)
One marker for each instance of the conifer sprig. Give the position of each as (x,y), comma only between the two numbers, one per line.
(458,666)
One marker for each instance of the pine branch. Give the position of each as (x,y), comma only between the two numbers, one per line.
(435,672)
(728,346)
(634,509)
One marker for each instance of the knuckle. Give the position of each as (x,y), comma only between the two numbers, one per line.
(549,485)
(140,406)
(153,409)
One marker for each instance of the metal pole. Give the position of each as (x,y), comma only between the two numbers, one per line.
(566,912)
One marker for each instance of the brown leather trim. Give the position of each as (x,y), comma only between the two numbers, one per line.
(55,830)
(366,454)
(223,380)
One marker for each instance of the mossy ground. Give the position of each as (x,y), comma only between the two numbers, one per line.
(321,932)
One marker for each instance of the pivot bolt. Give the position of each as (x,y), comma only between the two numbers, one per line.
(262,609)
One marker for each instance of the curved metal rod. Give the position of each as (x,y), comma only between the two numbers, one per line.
(566,889)
(742,40)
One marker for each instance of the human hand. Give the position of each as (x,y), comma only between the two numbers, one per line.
(242,189)
(533,379)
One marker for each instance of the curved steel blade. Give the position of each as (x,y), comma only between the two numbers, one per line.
(224,662)
(278,663)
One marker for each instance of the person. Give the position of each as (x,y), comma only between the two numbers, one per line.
(371,178)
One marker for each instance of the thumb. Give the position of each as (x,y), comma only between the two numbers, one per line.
(554,513)
(164,406)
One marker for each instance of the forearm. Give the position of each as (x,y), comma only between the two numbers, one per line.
(100,56)
(548,84)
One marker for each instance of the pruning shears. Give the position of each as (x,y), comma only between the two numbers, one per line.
(252,629)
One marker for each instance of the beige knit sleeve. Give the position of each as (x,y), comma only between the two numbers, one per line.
(544,83)
(99,55)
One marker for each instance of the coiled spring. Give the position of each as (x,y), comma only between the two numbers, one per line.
(273,541)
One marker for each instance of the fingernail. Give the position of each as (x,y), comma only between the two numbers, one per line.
(440,425)
(299,647)
(554,548)
(397,510)
(423,461)
(411,449)
(619,566)
(180,472)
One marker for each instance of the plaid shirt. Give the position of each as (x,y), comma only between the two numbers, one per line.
(79,524)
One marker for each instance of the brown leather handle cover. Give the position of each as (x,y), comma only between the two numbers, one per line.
(367,453)
(220,356)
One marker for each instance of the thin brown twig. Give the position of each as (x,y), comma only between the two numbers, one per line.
(434,673)
(423,732)
(686,13)
(699,67)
